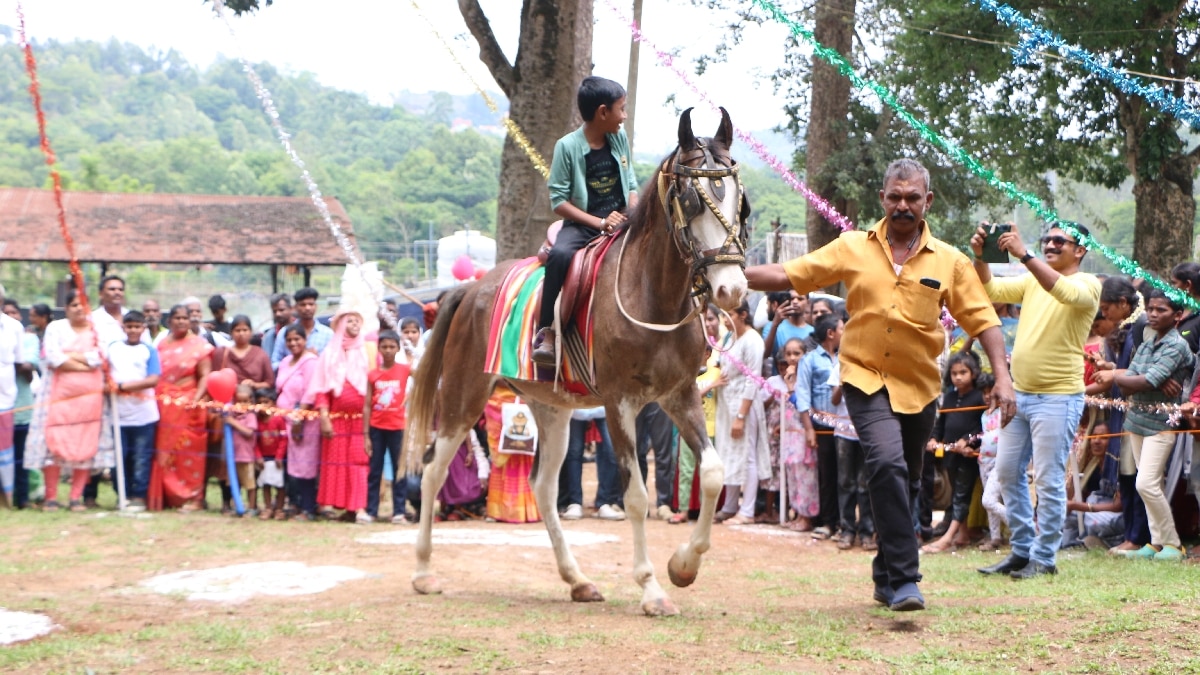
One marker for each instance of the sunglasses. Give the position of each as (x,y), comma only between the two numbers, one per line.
(1057,240)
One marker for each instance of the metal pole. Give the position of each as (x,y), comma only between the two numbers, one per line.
(116,428)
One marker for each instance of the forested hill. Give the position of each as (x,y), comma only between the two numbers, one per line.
(123,119)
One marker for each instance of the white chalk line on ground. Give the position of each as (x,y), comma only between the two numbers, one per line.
(532,537)
(21,626)
(239,583)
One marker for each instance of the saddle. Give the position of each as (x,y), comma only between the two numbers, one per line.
(581,276)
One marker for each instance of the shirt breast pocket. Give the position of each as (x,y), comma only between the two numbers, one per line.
(920,304)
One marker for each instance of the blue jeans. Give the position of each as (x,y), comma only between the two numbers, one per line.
(386,443)
(1041,432)
(609,489)
(137,444)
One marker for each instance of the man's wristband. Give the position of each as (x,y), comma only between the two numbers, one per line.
(1027,257)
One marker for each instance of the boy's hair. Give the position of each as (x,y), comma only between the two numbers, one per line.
(595,92)
(824,325)
(985,381)
(389,335)
(216,302)
(133,316)
(1154,294)
(265,392)
(306,293)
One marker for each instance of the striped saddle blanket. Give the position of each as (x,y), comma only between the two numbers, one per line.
(514,325)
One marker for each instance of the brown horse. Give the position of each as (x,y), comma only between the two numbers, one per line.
(684,243)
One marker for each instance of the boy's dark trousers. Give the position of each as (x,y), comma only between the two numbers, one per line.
(20,475)
(572,237)
(386,442)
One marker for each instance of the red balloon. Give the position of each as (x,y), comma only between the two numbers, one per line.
(463,268)
(479,272)
(222,384)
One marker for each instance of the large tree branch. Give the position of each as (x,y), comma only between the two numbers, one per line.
(489,48)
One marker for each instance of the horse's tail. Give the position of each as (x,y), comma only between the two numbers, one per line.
(422,404)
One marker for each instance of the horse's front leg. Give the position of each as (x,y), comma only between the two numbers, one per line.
(688,414)
(654,599)
(554,427)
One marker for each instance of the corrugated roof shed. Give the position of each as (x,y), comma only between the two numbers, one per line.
(169,228)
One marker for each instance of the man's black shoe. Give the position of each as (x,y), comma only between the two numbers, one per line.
(1032,570)
(1012,563)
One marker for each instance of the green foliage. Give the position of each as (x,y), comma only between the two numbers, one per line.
(123,119)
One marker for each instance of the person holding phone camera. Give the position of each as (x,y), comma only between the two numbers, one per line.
(1058,304)
(898,278)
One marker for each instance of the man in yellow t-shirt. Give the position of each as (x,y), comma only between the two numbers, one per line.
(1058,304)
(898,278)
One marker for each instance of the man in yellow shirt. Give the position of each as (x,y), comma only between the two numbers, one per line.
(1058,305)
(898,278)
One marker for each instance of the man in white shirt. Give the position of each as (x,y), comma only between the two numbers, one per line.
(107,317)
(11,336)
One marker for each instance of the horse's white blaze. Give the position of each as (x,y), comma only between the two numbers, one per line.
(728,280)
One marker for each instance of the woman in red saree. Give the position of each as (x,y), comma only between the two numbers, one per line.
(338,392)
(66,429)
(177,477)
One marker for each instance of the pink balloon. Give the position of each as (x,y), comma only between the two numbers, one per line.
(222,384)
(463,268)
(479,272)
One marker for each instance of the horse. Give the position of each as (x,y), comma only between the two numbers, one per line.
(684,244)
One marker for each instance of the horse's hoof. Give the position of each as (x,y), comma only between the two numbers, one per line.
(660,607)
(679,575)
(586,593)
(427,585)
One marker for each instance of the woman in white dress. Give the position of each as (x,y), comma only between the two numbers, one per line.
(741,424)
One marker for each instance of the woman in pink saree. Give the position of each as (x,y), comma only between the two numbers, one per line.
(66,431)
(304,446)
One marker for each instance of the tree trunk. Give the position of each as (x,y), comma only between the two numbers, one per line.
(631,83)
(1163,221)
(554,53)
(828,111)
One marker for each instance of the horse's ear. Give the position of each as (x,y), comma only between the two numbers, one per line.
(687,140)
(724,135)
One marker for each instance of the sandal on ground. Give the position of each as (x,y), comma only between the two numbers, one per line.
(77,506)
(51,506)
(281,514)
(1123,546)
(191,507)
(991,545)
(799,525)
(266,514)
(252,513)
(766,518)
(722,516)
(739,520)
(678,519)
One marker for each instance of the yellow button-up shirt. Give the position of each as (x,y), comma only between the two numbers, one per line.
(895,335)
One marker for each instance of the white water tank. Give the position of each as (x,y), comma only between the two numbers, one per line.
(474,244)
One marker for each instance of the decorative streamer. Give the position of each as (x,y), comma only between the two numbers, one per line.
(1037,39)
(831,56)
(827,211)
(515,131)
(36,93)
(314,192)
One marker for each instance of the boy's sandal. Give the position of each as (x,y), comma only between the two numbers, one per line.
(77,506)
(51,506)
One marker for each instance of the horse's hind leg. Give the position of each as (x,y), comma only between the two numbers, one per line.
(432,478)
(654,599)
(554,427)
(685,409)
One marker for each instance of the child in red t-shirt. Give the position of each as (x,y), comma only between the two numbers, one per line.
(383,424)
(272,450)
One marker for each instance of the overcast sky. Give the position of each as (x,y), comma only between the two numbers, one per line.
(382,47)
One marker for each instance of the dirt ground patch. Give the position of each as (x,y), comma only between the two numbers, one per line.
(765,601)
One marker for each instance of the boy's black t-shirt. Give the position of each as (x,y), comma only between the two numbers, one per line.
(604,192)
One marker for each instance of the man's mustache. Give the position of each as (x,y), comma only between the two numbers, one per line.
(908,215)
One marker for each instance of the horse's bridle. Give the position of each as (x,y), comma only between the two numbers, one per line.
(684,199)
